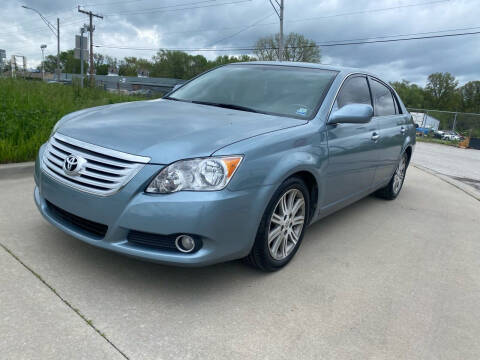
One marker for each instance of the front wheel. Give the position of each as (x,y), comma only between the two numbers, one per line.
(391,191)
(282,227)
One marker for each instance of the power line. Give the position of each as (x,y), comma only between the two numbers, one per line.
(403,39)
(359,12)
(243,30)
(162,9)
(326,44)
(307,19)
(127,2)
(169,8)
(111,3)
(40,29)
(231,28)
(410,34)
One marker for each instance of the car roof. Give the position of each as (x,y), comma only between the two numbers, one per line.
(341,69)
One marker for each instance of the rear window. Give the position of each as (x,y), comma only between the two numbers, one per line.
(382,99)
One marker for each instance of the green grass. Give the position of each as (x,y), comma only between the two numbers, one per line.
(437,141)
(30,109)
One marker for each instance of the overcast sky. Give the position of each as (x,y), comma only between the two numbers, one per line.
(202,23)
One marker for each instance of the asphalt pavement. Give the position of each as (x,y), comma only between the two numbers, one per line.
(378,280)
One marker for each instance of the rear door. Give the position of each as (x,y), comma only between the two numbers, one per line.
(352,151)
(391,129)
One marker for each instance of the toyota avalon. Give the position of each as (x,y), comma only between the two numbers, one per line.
(235,163)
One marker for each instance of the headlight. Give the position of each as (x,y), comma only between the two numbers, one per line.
(202,174)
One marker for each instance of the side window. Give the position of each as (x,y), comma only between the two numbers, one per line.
(382,99)
(397,104)
(354,91)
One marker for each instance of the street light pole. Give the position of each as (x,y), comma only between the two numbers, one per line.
(58,49)
(43,47)
(54,30)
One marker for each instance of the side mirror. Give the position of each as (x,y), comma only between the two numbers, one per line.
(352,114)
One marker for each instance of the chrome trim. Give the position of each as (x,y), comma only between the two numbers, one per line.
(180,248)
(104,173)
(102,150)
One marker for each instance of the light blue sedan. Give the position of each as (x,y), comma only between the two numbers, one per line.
(233,164)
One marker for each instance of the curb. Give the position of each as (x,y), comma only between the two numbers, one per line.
(17,170)
(458,184)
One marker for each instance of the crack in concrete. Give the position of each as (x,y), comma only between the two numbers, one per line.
(66,302)
(466,188)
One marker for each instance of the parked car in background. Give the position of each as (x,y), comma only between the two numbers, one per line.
(439,134)
(235,163)
(451,136)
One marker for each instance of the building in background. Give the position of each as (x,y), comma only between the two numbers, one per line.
(425,121)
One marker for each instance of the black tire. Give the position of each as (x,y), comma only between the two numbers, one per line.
(260,255)
(391,191)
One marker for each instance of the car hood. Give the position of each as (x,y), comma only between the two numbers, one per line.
(167,130)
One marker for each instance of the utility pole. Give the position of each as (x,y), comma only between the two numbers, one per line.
(279,12)
(281,30)
(43,47)
(55,31)
(91,28)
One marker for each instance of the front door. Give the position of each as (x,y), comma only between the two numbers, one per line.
(352,148)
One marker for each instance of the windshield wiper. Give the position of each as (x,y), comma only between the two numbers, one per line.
(170,98)
(227,106)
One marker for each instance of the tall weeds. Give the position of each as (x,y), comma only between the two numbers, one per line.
(29,110)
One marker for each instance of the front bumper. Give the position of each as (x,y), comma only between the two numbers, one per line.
(226,221)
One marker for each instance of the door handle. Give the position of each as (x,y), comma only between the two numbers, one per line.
(375,136)
(402,130)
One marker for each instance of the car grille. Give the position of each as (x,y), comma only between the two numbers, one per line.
(91,227)
(160,242)
(103,172)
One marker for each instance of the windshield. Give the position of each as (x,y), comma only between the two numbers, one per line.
(279,90)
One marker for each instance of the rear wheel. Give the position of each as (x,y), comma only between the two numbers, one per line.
(282,227)
(391,191)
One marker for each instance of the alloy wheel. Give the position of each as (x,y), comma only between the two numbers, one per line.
(399,175)
(286,224)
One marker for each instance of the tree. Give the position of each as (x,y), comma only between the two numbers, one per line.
(128,67)
(50,64)
(470,94)
(412,95)
(441,91)
(68,63)
(296,48)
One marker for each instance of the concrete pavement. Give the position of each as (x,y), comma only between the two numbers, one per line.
(37,324)
(460,165)
(380,279)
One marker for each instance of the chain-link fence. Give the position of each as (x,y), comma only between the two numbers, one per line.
(466,124)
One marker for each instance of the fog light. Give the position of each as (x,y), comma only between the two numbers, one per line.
(185,243)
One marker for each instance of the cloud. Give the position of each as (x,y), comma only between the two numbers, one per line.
(197,23)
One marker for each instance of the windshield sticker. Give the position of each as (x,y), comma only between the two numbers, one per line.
(302,111)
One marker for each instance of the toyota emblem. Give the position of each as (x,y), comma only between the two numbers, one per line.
(73,164)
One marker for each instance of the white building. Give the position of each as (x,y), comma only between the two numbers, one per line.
(425,121)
